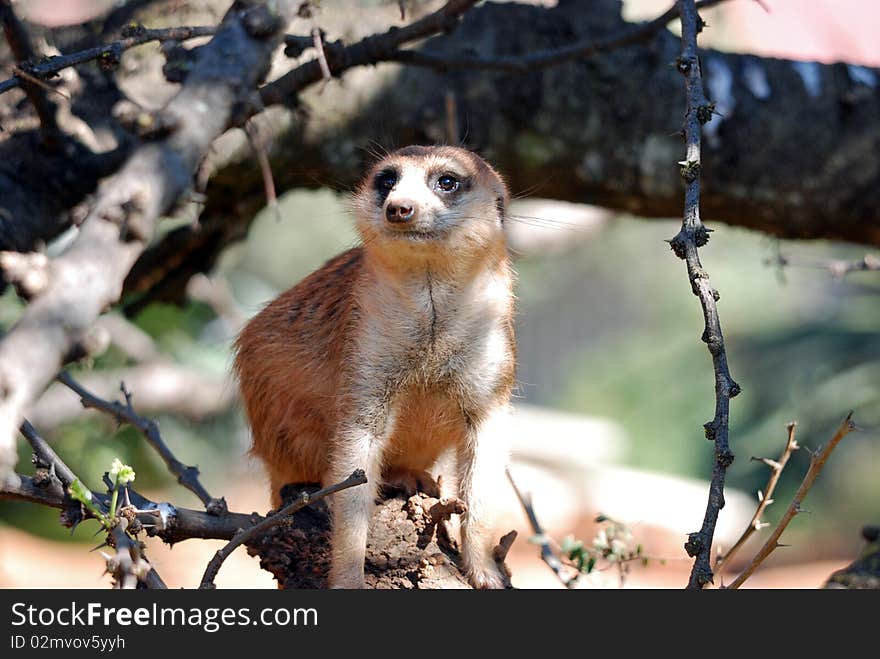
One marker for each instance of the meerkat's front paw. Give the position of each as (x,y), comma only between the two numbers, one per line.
(485,575)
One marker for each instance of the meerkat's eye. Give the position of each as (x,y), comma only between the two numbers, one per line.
(386,180)
(448,183)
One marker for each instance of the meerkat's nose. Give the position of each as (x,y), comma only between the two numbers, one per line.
(400,211)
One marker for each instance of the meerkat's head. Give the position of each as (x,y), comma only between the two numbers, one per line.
(429,200)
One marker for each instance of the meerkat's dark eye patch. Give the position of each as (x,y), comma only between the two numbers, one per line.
(384,183)
(386,180)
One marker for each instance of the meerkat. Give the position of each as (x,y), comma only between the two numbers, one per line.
(394,353)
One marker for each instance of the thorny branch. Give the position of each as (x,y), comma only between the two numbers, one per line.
(187,476)
(162,520)
(357,478)
(765,497)
(107,55)
(694,234)
(128,565)
(47,455)
(818,458)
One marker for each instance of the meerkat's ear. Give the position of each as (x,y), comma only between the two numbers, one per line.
(501,207)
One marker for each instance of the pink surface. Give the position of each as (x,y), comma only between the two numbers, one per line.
(822,30)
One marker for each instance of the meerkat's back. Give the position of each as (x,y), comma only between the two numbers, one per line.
(288,361)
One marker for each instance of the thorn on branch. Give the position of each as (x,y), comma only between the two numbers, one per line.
(694,544)
(133,29)
(690,170)
(678,244)
(709,430)
(701,235)
(705,112)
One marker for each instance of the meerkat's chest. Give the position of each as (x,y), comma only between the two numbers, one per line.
(440,337)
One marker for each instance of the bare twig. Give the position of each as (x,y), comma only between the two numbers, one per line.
(187,476)
(259,148)
(694,234)
(163,387)
(838,268)
(765,497)
(818,459)
(305,499)
(20,44)
(318,40)
(110,53)
(548,555)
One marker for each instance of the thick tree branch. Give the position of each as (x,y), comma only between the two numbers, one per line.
(88,277)
(818,459)
(693,235)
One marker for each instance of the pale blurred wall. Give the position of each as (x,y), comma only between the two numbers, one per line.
(820,30)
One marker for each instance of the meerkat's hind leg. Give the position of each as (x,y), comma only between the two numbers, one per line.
(482,459)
